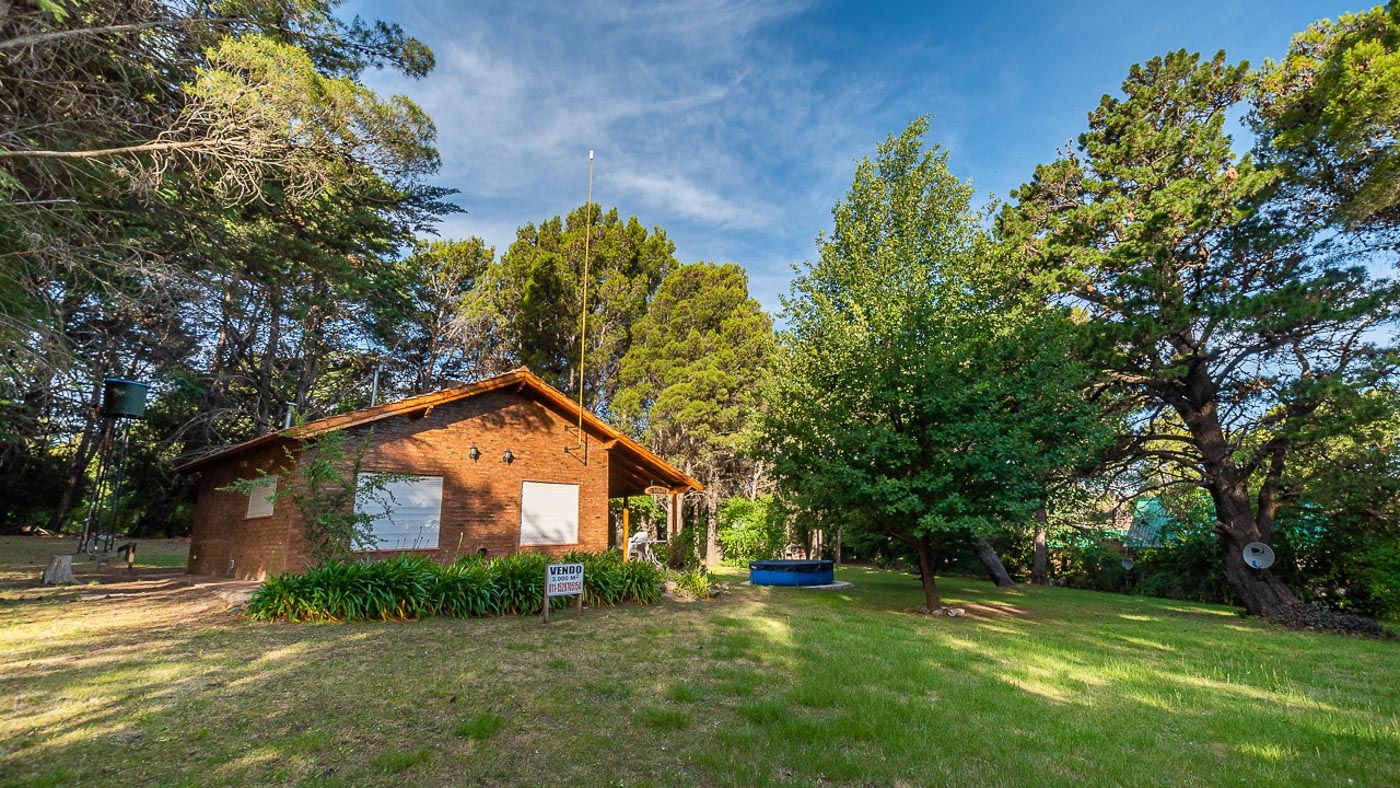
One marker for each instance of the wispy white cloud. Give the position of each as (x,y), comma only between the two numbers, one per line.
(706,119)
(735,124)
(689,200)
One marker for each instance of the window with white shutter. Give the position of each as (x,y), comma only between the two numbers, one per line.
(405,514)
(548,513)
(260,502)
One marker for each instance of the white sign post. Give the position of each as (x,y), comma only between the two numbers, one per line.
(562,580)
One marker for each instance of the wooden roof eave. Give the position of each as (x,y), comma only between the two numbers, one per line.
(644,470)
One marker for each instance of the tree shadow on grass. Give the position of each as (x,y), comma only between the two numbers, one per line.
(763,686)
(1096,687)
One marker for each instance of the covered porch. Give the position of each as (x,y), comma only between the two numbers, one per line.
(634,471)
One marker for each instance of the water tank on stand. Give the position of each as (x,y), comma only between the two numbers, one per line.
(123,399)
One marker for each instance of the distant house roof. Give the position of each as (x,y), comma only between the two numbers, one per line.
(1149,518)
(633,466)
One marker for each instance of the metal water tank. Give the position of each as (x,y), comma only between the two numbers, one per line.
(124,399)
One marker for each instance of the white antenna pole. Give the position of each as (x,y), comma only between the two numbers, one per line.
(583,317)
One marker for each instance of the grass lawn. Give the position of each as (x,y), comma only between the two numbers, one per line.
(1035,685)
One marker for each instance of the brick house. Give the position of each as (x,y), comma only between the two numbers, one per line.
(497,466)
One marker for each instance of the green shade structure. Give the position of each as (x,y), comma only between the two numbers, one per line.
(123,399)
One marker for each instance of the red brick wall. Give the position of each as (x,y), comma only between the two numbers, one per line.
(480,500)
(223,533)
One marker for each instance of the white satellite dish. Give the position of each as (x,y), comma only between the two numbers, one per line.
(1259,555)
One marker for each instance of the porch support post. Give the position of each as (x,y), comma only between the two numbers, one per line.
(675,514)
(626,529)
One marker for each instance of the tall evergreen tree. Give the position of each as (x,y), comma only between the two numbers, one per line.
(197,194)
(1329,115)
(529,303)
(690,381)
(1246,338)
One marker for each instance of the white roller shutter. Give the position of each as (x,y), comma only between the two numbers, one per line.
(548,513)
(260,503)
(405,515)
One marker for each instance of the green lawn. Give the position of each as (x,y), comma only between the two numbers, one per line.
(1035,685)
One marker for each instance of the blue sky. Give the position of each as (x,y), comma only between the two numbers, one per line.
(735,126)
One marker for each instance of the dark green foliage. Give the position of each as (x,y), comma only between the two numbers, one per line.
(526,305)
(519,581)
(1327,560)
(411,587)
(924,387)
(1253,336)
(686,548)
(607,580)
(1091,565)
(237,271)
(689,383)
(641,582)
(1341,560)
(464,589)
(1186,566)
(1329,114)
(602,576)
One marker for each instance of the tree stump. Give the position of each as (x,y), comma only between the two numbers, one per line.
(60,571)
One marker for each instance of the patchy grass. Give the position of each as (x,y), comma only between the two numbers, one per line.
(479,726)
(1038,685)
(395,762)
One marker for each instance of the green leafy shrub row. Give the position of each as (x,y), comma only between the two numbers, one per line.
(410,587)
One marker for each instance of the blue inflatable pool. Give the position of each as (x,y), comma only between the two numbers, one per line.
(791,573)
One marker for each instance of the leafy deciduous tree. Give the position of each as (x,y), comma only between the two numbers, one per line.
(920,382)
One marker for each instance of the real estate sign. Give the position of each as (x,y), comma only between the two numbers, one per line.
(563,580)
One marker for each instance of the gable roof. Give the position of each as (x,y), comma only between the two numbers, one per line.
(647,464)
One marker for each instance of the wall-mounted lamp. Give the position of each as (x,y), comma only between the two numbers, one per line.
(508,458)
(474,453)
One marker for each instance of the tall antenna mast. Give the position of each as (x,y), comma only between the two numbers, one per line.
(583,316)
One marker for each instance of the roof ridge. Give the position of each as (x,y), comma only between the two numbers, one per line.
(521,374)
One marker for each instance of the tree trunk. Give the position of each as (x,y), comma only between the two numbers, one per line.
(675,530)
(931,601)
(712,524)
(1259,591)
(77,467)
(1229,484)
(992,561)
(1040,566)
(59,571)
